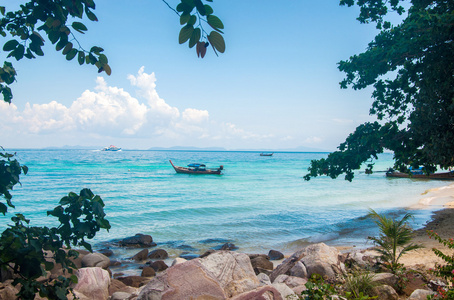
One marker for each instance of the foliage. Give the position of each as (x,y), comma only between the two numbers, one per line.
(31,252)
(10,169)
(394,239)
(193,31)
(411,67)
(317,288)
(25,28)
(358,287)
(445,270)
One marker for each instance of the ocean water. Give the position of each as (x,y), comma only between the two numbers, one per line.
(259,203)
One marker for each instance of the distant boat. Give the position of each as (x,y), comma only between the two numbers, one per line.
(111,148)
(197,169)
(417,174)
(266,154)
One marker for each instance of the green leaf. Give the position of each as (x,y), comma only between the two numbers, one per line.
(195,37)
(217,41)
(200,7)
(68,47)
(71,54)
(185,34)
(91,16)
(80,27)
(102,59)
(215,22)
(81,57)
(10,45)
(184,18)
(208,9)
(192,20)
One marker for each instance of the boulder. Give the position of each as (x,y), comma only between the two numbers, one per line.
(285,291)
(178,260)
(264,279)
(291,281)
(148,272)
(317,258)
(95,260)
(158,254)
(121,296)
(158,266)
(93,283)
(298,270)
(138,241)
(264,292)
(260,263)
(275,255)
(106,252)
(134,281)
(141,255)
(384,292)
(118,286)
(385,278)
(420,294)
(7,290)
(221,275)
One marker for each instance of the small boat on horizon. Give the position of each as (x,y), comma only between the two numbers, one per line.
(266,154)
(111,148)
(197,169)
(418,174)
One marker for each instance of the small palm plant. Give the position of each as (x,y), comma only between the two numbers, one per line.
(394,239)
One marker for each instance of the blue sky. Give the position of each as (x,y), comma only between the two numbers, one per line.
(275,87)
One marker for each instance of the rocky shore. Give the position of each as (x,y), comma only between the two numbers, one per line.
(227,274)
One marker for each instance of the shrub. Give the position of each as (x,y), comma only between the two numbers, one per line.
(446,270)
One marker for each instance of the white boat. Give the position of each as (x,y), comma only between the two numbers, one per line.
(111,148)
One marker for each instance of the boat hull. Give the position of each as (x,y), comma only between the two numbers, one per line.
(439,176)
(184,170)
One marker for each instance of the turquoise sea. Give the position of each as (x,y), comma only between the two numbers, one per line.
(259,203)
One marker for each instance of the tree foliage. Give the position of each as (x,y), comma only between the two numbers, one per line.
(30,252)
(411,68)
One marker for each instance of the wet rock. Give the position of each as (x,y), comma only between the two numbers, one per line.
(275,255)
(148,272)
(158,254)
(189,256)
(158,266)
(138,241)
(106,252)
(141,255)
(134,281)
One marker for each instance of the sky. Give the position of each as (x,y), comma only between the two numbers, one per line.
(276,87)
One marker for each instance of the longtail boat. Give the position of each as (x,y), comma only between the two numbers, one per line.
(197,169)
(419,175)
(266,154)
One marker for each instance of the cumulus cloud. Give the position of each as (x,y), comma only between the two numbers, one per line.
(108,111)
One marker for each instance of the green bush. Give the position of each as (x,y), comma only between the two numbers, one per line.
(446,270)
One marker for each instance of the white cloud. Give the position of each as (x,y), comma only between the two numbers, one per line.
(111,112)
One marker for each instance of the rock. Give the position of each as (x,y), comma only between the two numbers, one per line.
(263,279)
(291,281)
(178,260)
(121,296)
(93,283)
(189,256)
(137,241)
(317,258)
(298,270)
(420,294)
(385,278)
(285,291)
(148,272)
(275,255)
(95,260)
(221,275)
(260,262)
(118,286)
(134,281)
(7,290)
(106,252)
(158,254)
(159,265)
(141,255)
(206,253)
(384,292)
(265,292)
(228,246)
(323,260)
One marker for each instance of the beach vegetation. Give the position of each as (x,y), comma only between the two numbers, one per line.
(445,270)
(29,253)
(410,66)
(318,289)
(359,286)
(394,239)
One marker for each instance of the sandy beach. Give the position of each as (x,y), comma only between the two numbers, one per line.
(442,223)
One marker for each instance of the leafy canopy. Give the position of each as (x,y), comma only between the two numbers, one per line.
(25,31)
(411,68)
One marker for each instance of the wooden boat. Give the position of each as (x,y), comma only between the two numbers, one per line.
(266,154)
(197,169)
(420,175)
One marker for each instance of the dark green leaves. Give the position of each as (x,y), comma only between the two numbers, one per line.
(193,30)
